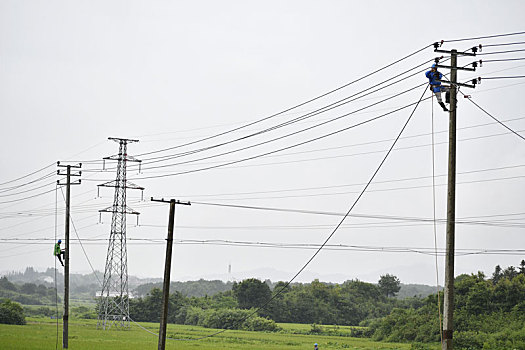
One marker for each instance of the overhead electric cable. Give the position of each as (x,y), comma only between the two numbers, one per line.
(27,175)
(499,52)
(505,44)
(318,111)
(496,119)
(508,77)
(294,107)
(278,150)
(7,189)
(484,37)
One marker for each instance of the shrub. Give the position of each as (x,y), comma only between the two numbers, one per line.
(11,313)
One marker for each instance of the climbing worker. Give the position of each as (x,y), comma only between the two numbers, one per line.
(435,86)
(59,252)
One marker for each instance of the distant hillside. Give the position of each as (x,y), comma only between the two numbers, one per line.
(415,290)
(85,286)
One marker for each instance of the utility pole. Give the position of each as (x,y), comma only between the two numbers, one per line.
(113,305)
(167,270)
(65,317)
(448,304)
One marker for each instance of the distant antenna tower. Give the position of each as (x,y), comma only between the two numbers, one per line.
(113,305)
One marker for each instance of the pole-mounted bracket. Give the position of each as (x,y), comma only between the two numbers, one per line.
(162,200)
(458,53)
(472,86)
(458,68)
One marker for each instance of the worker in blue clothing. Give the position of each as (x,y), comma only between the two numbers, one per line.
(435,86)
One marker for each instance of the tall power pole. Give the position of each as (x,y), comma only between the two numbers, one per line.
(167,270)
(113,305)
(448,304)
(65,317)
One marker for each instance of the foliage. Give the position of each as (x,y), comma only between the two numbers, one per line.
(389,285)
(251,293)
(27,293)
(488,314)
(198,288)
(11,313)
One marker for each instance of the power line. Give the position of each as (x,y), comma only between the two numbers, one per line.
(324,109)
(499,52)
(280,149)
(484,37)
(505,59)
(28,183)
(27,175)
(505,44)
(496,119)
(291,108)
(318,111)
(508,77)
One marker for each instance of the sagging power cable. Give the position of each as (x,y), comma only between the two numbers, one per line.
(291,108)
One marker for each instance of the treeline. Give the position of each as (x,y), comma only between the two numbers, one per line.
(344,304)
(219,311)
(489,313)
(27,293)
(198,288)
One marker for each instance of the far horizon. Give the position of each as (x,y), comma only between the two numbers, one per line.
(263,274)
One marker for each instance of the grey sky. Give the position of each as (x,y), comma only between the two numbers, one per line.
(74,73)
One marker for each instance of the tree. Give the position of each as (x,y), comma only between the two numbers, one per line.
(11,313)
(251,293)
(510,272)
(496,276)
(389,285)
(5,284)
(522,267)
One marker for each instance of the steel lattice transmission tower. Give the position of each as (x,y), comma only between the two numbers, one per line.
(113,305)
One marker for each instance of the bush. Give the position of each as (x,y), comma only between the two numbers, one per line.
(11,313)
(228,319)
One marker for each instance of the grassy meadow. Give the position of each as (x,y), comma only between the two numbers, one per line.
(41,333)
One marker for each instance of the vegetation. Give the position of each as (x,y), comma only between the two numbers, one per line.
(41,334)
(489,313)
(27,293)
(11,313)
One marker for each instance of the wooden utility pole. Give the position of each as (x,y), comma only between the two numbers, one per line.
(167,270)
(448,304)
(65,317)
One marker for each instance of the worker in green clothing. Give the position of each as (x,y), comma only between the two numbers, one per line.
(59,252)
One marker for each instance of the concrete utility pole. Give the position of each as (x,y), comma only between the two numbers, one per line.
(65,318)
(167,270)
(448,305)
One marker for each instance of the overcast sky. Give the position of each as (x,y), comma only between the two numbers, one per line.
(73,73)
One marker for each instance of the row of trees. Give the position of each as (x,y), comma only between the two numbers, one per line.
(27,293)
(344,304)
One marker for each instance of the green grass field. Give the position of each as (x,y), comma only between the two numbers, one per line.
(40,333)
